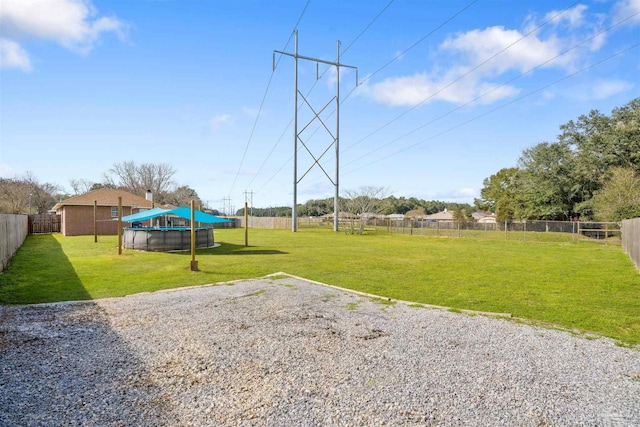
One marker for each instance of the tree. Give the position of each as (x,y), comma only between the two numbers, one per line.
(14,196)
(363,201)
(81,186)
(22,195)
(137,179)
(99,185)
(182,196)
(557,180)
(619,197)
(499,194)
(462,215)
(599,143)
(316,207)
(546,189)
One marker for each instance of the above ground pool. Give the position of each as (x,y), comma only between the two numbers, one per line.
(164,239)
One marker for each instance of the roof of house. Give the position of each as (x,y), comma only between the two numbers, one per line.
(105,197)
(440,216)
(415,213)
(340,215)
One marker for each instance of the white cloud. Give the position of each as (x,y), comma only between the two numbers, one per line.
(574,17)
(626,8)
(605,88)
(217,122)
(477,59)
(422,88)
(12,55)
(460,193)
(513,51)
(70,23)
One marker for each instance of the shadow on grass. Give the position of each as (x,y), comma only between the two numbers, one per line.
(231,249)
(40,272)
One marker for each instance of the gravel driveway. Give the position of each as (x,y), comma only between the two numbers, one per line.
(283,351)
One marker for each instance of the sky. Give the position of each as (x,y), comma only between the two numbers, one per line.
(445,94)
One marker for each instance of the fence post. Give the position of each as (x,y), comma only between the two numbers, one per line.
(578,231)
(119,225)
(95,221)
(505,230)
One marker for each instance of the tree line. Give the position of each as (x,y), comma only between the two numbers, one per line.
(26,194)
(591,172)
(349,203)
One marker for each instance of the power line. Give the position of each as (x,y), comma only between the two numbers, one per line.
(401,54)
(313,86)
(366,28)
(619,53)
(276,173)
(497,87)
(459,78)
(371,75)
(395,58)
(264,97)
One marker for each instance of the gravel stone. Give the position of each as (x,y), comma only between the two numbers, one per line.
(284,351)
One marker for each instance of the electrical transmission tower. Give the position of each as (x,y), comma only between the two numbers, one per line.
(335,135)
(227,208)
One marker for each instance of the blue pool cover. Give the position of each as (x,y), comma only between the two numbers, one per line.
(182,212)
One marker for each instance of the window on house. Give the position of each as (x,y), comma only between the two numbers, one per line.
(114,211)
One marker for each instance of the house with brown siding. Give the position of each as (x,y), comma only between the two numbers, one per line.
(77,216)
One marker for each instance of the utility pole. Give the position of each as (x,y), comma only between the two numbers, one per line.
(248,200)
(297,134)
(227,208)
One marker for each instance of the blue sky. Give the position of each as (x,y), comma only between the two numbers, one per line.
(449,92)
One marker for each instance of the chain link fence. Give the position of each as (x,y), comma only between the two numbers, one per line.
(554,231)
(535,231)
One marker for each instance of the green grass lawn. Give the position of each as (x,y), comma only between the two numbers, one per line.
(584,286)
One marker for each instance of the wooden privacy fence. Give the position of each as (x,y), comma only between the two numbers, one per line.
(44,223)
(631,239)
(13,231)
(266,222)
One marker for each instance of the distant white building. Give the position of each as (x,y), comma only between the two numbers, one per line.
(484,218)
(489,219)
